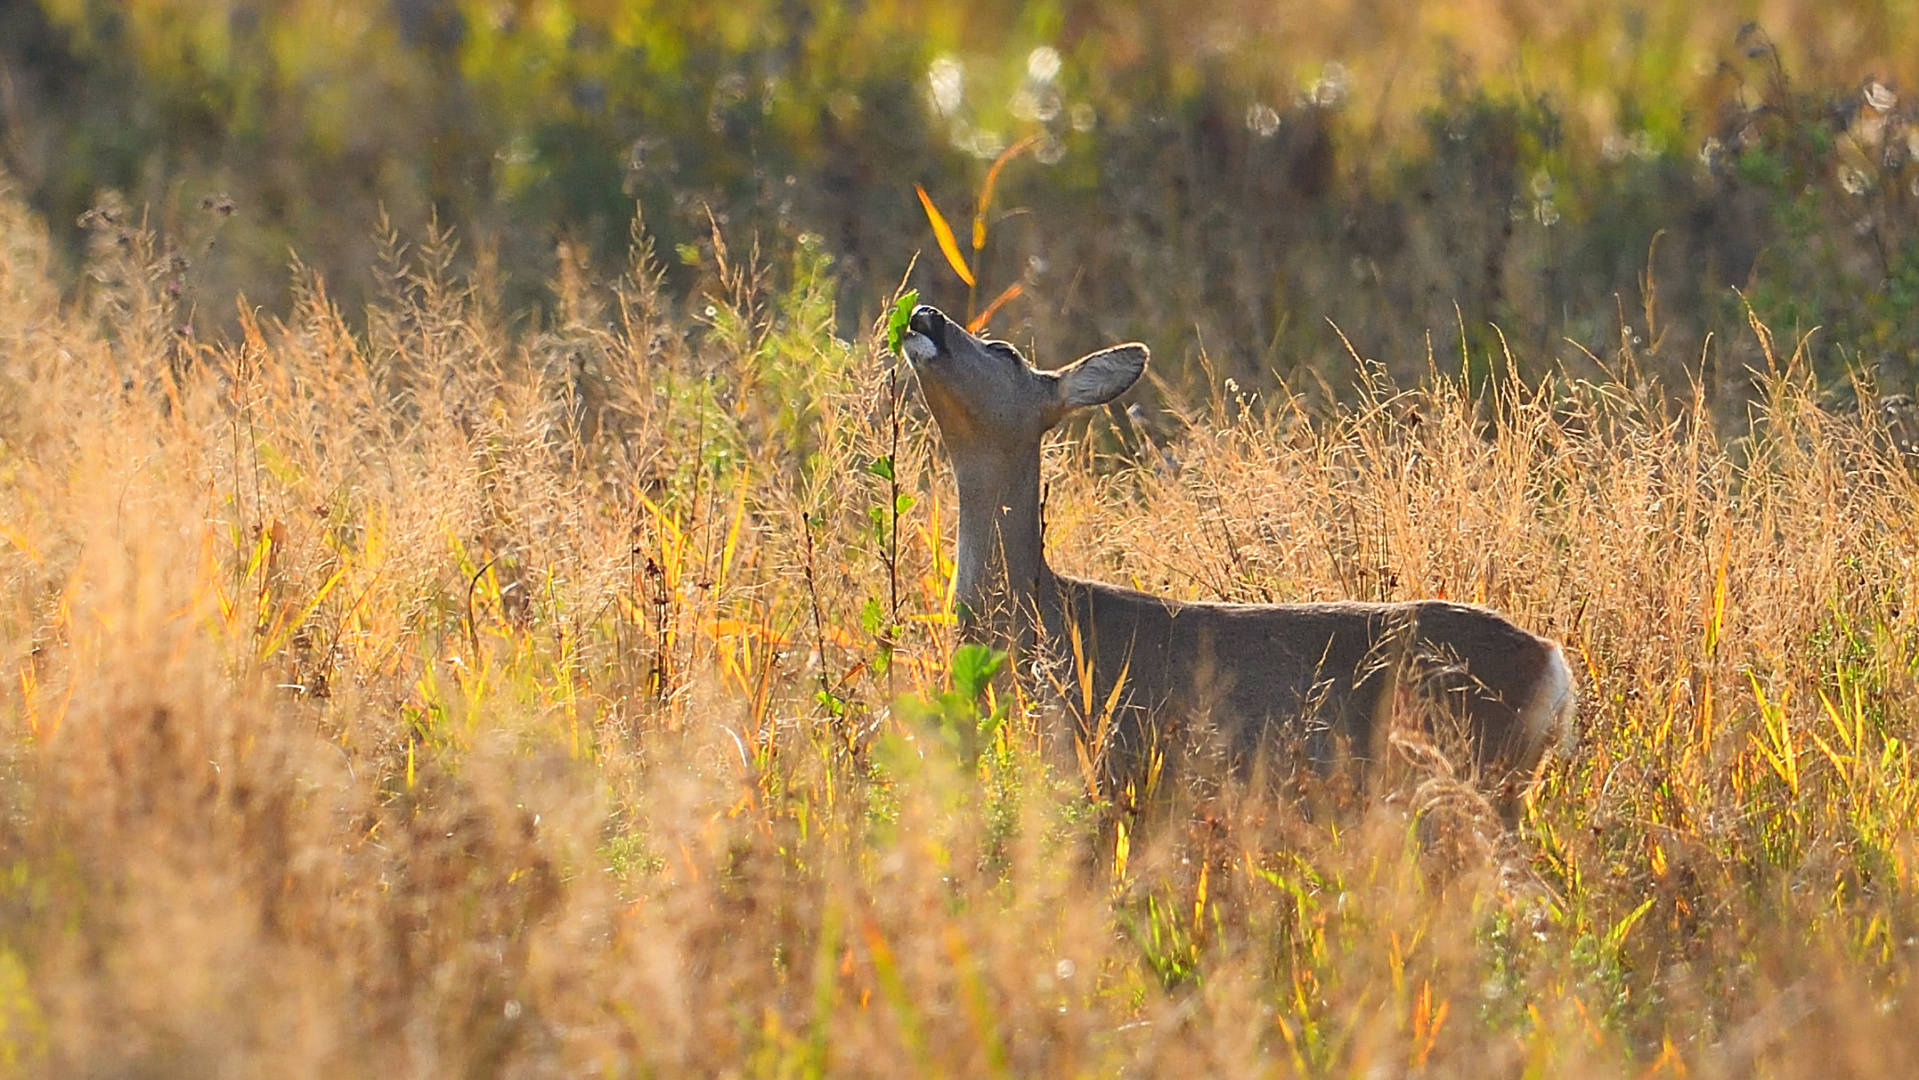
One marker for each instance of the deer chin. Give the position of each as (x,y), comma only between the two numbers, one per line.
(918,347)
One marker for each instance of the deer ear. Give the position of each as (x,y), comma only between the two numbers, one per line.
(1100,377)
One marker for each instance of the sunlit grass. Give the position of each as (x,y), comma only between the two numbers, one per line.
(441,699)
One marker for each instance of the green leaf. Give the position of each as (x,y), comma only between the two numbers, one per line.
(973,667)
(896,322)
(902,503)
(1617,935)
(873,616)
(881,467)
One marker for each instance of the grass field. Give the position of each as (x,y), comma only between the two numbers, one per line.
(441,700)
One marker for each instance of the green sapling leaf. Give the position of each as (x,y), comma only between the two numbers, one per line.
(973,667)
(901,314)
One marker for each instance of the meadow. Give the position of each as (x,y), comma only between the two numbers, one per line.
(430,696)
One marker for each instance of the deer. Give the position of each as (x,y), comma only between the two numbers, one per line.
(1322,679)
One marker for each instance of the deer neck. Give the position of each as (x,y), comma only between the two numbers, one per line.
(999,561)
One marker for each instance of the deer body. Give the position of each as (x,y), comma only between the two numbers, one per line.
(1317,677)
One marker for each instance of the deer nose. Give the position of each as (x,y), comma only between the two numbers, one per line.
(928,320)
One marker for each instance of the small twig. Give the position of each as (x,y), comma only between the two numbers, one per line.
(813,599)
(473,634)
(889,639)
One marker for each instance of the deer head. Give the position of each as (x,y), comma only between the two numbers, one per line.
(992,408)
(986,398)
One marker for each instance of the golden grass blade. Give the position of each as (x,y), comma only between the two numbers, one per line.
(39,723)
(1110,709)
(1199,898)
(987,188)
(283,632)
(979,322)
(944,234)
(1840,764)
(21,541)
(673,542)
(262,551)
(1089,773)
(1426,1024)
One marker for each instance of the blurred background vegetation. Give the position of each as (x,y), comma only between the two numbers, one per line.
(1579,182)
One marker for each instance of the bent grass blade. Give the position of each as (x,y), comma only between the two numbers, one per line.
(944,234)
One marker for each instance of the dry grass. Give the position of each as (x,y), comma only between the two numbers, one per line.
(442,701)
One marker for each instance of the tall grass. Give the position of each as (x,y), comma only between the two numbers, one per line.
(444,701)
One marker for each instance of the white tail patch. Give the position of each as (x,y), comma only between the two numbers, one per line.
(1552,705)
